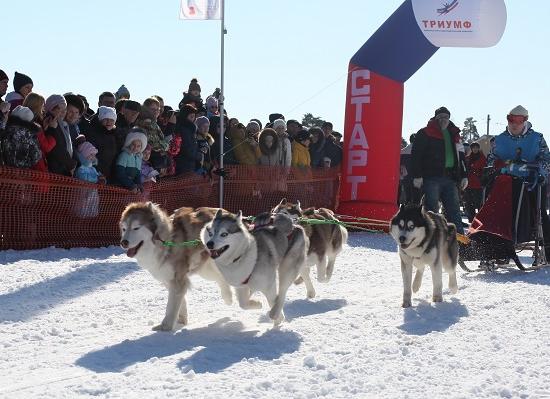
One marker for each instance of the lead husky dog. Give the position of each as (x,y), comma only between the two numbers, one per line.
(145,227)
(425,238)
(251,261)
(325,240)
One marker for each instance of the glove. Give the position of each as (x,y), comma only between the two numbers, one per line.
(464,183)
(417,182)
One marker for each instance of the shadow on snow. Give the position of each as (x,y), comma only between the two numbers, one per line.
(380,241)
(222,344)
(29,301)
(427,317)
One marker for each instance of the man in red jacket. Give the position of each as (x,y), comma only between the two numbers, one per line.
(475,162)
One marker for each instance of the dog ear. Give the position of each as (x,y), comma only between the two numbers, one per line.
(298,205)
(283,201)
(219,214)
(240,216)
(162,224)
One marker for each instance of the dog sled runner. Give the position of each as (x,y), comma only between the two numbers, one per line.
(508,222)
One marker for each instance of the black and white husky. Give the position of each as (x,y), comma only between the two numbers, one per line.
(425,238)
(252,260)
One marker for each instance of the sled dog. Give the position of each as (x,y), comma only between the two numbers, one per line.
(144,228)
(424,238)
(259,259)
(325,240)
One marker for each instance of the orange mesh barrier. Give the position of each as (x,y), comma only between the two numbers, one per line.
(40,209)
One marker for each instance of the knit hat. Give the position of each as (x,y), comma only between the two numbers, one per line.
(3,75)
(136,134)
(519,110)
(132,105)
(474,144)
(106,113)
(86,149)
(20,80)
(23,113)
(75,101)
(55,100)
(278,123)
(254,123)
(442,110)
(201,121)
(211,102)
(302,135)
(79,140)
(257,121)
(122,92)
(194,85)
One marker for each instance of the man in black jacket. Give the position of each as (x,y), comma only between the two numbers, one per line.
(438,165)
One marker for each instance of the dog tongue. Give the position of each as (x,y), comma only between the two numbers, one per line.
(131,252)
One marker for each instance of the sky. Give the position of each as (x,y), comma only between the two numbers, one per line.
(281,56)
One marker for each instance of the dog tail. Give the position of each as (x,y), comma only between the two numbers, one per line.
(283,223)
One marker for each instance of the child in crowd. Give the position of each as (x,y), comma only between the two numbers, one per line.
(204,142)
(128,164)
(148,173)
(87,205)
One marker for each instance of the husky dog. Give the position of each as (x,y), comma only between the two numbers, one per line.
(144,228)
(325,240)
(251,261)
(425,238)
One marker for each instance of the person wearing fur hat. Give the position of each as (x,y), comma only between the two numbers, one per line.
(520,144)
(300,149)
(22,86)
(269,147)
(20,147)
(245,143)
(279,125)
(438,166)
(102,134)
(193,96)
(128,163)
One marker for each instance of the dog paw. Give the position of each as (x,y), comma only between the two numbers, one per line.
(228,299)
(437,298)
(454,290)
(182,320)
(299,281)
(254,304)
(311,294)
(406,304)
(415,287)
(162,327)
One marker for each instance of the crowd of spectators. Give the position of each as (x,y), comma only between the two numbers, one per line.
(127,142)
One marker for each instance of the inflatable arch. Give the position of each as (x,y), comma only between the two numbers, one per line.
(374,100)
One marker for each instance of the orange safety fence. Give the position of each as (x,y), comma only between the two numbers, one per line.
(39,210)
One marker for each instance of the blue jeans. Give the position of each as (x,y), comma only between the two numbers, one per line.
(443,189)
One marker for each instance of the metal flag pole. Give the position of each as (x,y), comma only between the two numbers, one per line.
(221,99)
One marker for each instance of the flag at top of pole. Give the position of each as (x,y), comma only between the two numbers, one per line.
(200,9)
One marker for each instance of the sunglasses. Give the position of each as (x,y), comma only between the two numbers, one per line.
(516,118)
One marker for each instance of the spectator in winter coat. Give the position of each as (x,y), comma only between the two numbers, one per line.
(22,86)
(148,173)
(86,154)
(212,108)
(126,119)
(438,167)
(269,147)
(75,110)
(36,103)
(331,149)
(300,150)
(245,143)
(475,163)
(147,121)
(316,147)
(184,148)
(128,164)
(279,125)
(61,159)
(293,127)
(204,144)
(20,147)
(102,134)
(229,153)
(193,97)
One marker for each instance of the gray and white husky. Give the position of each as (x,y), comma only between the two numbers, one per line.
(425,238)
(325,240)
(252,260)
(145,227)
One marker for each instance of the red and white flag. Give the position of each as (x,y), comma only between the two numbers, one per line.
(200,9)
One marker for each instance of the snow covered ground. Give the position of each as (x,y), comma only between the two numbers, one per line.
(77,323)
